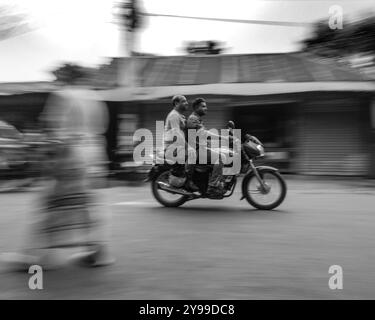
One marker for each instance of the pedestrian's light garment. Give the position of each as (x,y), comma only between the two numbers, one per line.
(77,122)
(78,115)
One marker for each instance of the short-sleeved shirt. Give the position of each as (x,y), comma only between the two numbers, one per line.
(175,124)
(195,121)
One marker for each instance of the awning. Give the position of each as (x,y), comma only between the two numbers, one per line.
(237,89)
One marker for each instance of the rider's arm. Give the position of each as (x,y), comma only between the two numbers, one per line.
(194,123)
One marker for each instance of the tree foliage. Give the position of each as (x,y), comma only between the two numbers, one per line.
(356,37)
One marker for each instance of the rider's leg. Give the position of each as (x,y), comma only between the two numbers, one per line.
(215,186)
(189,170)
(175,156)
(213,158)
(190,185)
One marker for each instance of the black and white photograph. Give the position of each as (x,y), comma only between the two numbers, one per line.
(187,150)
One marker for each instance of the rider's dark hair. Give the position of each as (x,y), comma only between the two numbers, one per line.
(197,102)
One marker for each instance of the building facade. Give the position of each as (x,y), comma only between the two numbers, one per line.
(314,116)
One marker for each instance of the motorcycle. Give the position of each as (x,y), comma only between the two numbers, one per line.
(262,186)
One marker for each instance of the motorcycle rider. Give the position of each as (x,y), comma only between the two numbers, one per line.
(215,188)
(175,126)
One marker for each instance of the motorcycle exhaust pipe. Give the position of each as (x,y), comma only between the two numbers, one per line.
(166,187)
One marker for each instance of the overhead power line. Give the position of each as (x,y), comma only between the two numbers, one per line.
(262,22)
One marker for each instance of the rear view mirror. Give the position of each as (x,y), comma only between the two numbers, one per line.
(231,125)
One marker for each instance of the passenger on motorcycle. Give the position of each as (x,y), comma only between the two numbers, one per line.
(175,125)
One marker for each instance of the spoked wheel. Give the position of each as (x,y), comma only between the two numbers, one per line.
(267,198)
(166,198)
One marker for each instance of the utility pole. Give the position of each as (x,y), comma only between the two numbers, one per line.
(130,21)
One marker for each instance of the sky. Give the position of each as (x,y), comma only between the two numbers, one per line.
(85,32)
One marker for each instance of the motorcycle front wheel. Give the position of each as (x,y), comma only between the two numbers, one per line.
(166,198)
(265,199)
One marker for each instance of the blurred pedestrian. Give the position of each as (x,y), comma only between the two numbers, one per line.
(74,209)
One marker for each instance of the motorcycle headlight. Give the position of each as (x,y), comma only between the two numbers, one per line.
(261,150)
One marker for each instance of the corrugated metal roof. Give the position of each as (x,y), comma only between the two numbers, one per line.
(192,70)
(242,68)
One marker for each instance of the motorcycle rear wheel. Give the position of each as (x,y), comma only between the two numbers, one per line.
(166,198)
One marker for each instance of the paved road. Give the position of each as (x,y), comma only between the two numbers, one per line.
(216,249)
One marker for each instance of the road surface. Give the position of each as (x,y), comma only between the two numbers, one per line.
(210,249)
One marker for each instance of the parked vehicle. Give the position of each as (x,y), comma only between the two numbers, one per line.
(12,148)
